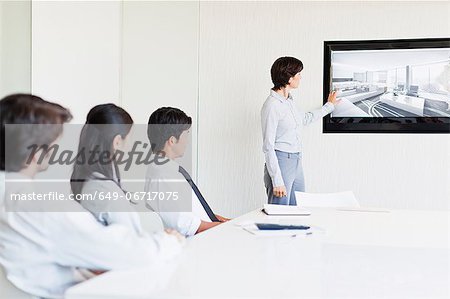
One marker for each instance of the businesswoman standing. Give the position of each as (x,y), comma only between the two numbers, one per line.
(282,126)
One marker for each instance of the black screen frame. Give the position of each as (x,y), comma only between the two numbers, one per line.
(421,125)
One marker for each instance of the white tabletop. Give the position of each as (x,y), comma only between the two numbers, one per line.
(351,254)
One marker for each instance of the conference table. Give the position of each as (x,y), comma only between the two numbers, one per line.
(351,253)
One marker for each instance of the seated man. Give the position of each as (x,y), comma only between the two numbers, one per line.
(168,130)
(44,253)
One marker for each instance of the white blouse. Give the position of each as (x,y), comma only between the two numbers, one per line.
(114,208)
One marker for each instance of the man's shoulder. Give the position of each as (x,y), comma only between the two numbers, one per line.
(162,172)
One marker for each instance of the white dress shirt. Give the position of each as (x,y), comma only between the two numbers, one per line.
(282,124)
(43,252)
(185,214)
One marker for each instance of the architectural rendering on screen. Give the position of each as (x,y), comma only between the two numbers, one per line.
(392,83)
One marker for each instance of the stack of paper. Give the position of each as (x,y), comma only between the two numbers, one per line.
(285,210)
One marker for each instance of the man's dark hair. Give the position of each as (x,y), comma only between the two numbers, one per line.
(283,69)
(164,123)
(42,122)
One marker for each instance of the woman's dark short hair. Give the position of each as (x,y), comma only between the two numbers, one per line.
(164,123)
(42,122)
(283,69)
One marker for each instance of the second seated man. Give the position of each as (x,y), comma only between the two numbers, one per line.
(177,199)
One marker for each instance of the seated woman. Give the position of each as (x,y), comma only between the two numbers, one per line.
(103,134)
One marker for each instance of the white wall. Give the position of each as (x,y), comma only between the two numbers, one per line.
(238,43)
(212,59)
(15,47)
(76,53)
(140,55)
(160,60)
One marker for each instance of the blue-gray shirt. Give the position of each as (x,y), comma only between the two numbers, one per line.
(282,126)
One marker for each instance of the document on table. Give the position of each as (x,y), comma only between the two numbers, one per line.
(250,226)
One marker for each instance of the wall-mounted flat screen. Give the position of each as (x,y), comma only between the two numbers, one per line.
(388,86)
